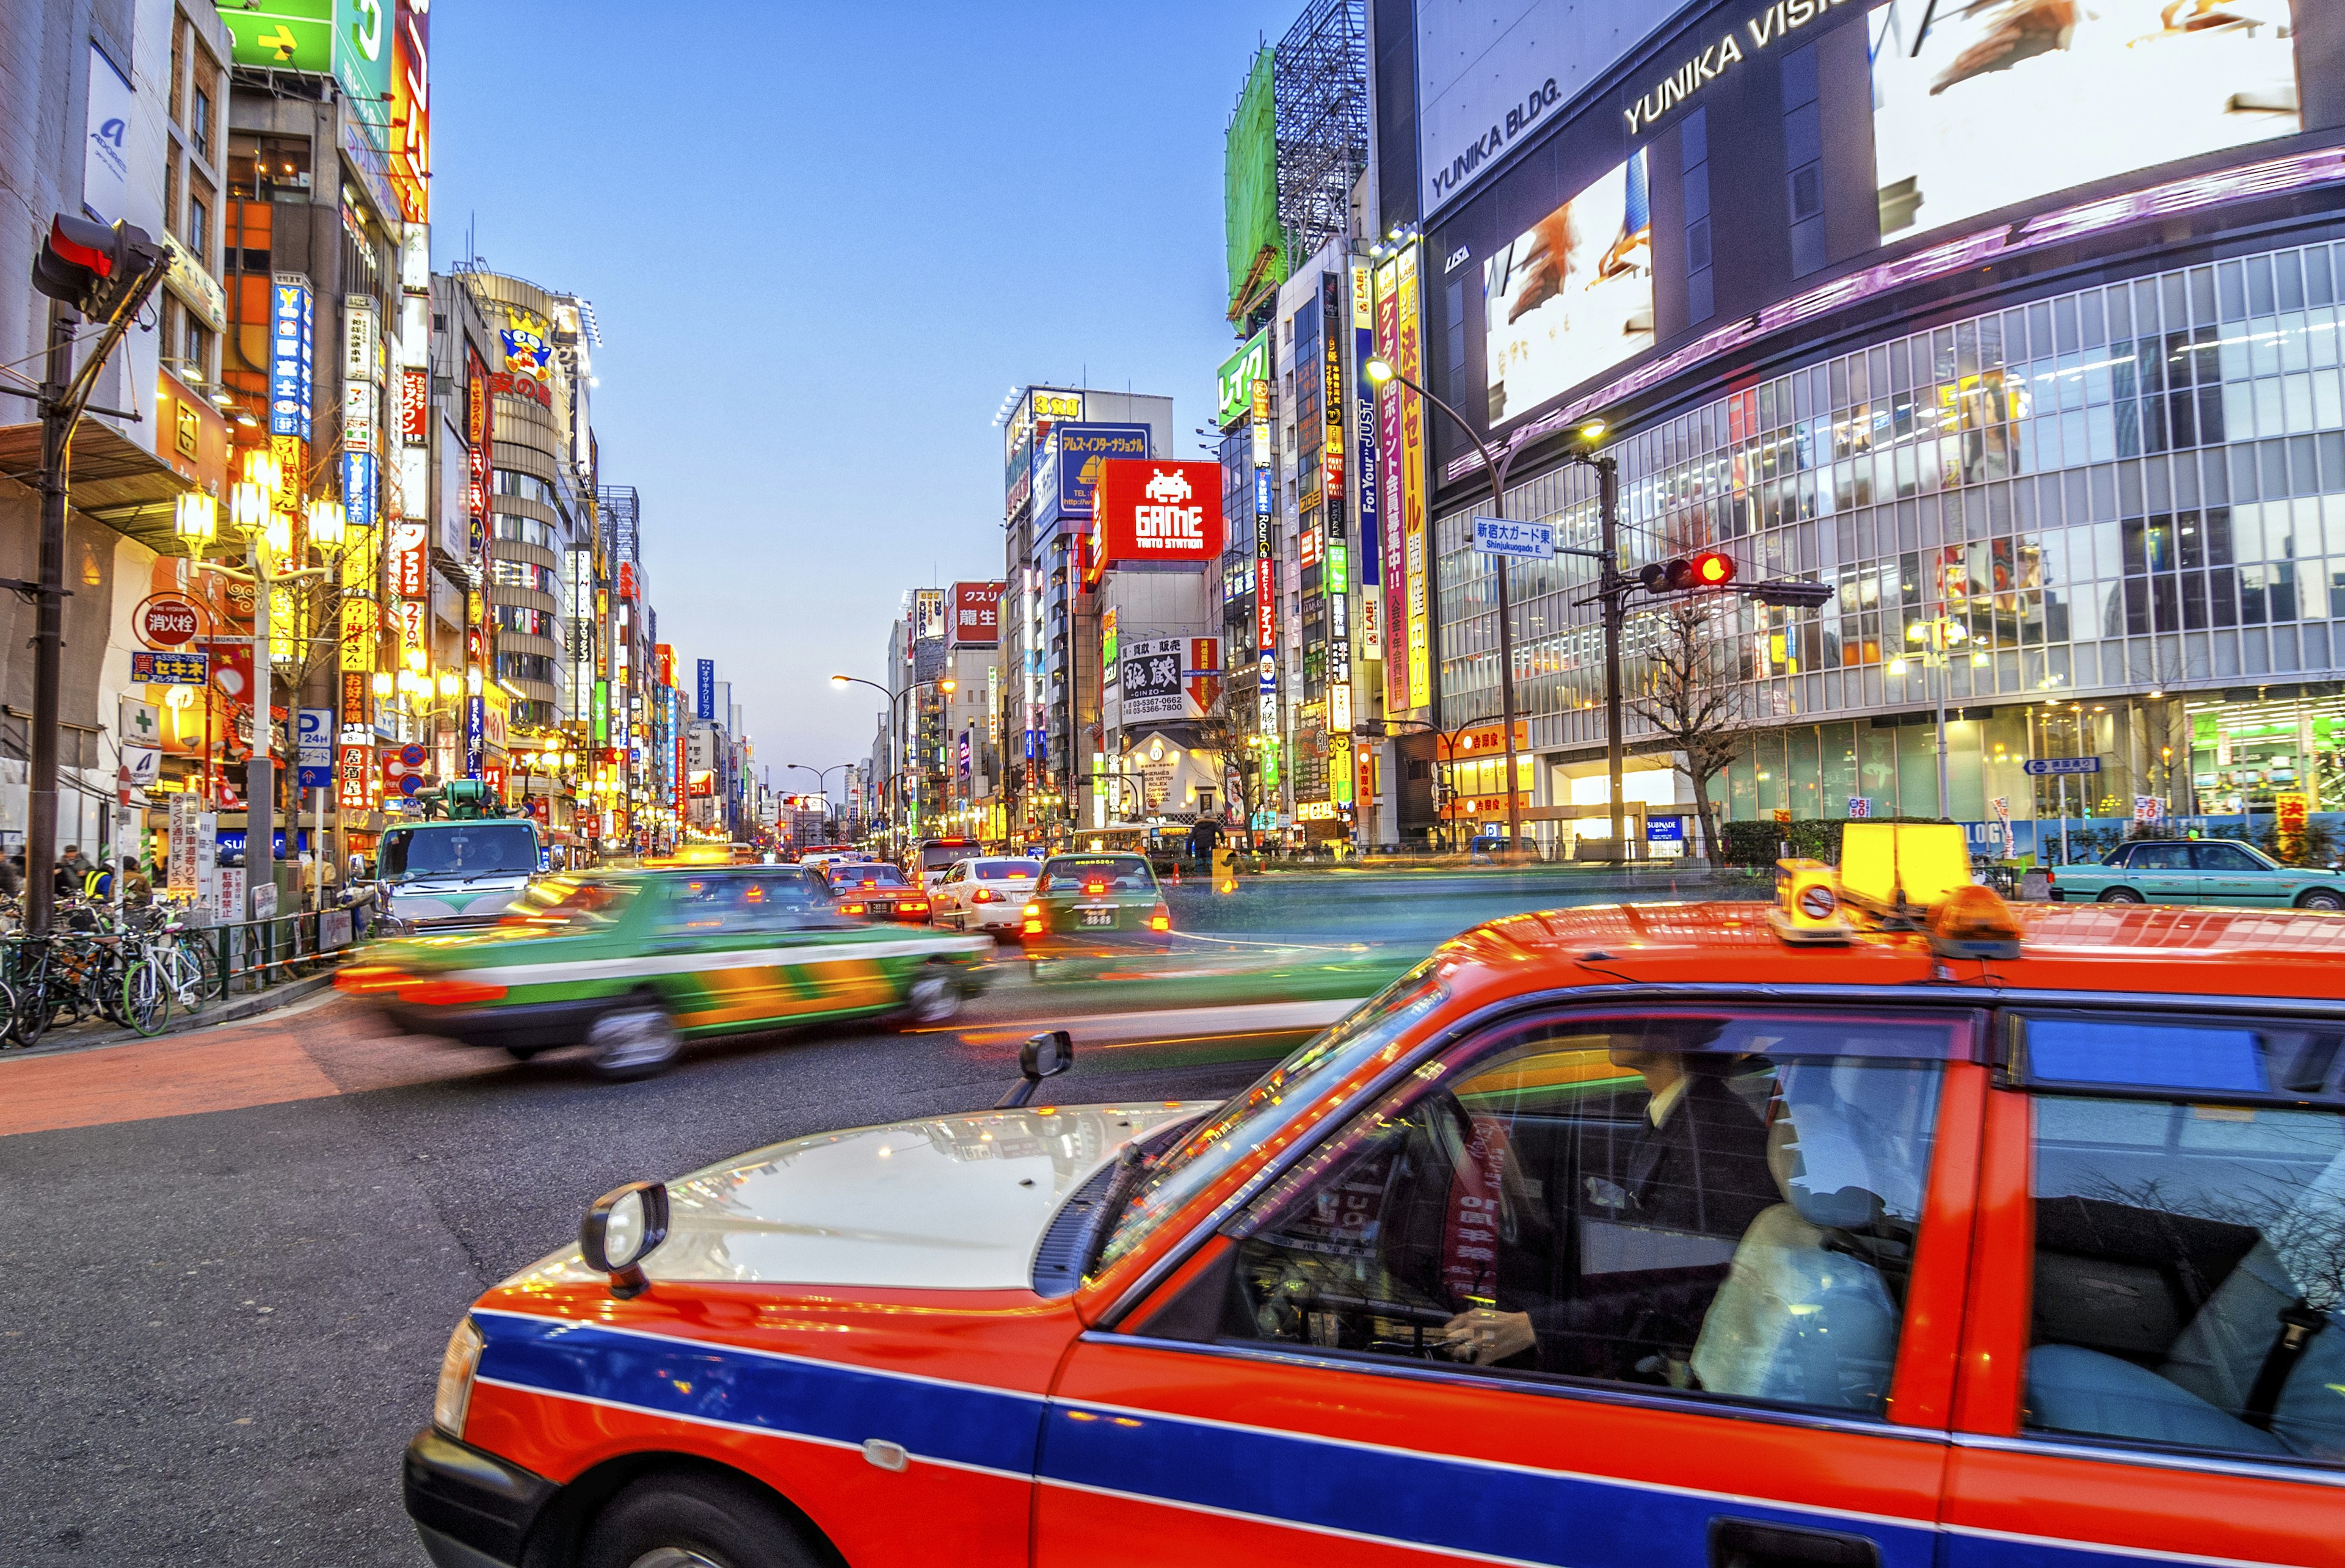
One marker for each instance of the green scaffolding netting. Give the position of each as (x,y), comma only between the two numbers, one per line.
(1250,179)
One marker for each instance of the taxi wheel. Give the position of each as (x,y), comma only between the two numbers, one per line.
(2119,896)
(635,1042)
(694,1521)
(933,996)
(2320,898)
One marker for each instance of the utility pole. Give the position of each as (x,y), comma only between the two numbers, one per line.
(1609,581)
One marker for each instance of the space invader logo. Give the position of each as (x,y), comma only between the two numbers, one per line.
(1169,488)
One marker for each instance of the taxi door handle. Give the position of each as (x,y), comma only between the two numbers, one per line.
(1757,1543)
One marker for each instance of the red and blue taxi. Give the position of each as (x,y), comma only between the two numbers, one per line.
(1888,1225)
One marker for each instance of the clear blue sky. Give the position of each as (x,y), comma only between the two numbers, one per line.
(822,240)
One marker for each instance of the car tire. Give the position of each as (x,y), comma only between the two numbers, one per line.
(634,1041)
(691,1521)
(933,996)
(2119,896)
(2321,898)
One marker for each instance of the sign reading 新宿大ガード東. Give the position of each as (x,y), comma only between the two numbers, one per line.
(1525,540)
(2041,767)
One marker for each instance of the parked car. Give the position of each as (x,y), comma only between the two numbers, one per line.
(1606,1236)
(631,964)
(875,890)
(2196,871)
(984,892)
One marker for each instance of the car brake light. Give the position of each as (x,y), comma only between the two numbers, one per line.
(1032,917)
(985,896)
(913,907)
(1093,889)
(449,993)
(367,979)
(850,909)
(1160,919)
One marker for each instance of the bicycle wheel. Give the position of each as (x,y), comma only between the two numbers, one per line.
(30,1014)
(183,975)
(214,982)
(145,1002)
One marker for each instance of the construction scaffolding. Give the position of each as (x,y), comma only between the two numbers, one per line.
(1321,91)
(620,510)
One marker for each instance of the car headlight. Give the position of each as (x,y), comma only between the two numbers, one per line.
(451,1400)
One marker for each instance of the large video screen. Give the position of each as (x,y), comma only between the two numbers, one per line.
(1572,297)
(1978,103)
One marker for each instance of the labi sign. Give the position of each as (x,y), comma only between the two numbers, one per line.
(1503,134)
(1234,396)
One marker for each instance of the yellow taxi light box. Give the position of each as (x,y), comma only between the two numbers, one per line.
(1885,864)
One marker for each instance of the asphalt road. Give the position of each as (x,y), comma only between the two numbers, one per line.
(230,1259)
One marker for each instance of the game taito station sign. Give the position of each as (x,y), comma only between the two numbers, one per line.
(1152,513)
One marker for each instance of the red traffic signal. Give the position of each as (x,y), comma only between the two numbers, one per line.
(93,267)
(1711,568)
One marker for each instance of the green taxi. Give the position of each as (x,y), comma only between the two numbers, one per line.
(632,963)
(1094,906)
(2196,871)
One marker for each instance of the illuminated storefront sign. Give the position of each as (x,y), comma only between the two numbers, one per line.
(410,110)
(289,349)
(1233,389)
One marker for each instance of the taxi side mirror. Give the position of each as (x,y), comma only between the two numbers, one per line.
(622,1228)
(1041,1057)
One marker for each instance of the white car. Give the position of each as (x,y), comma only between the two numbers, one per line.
(985,892)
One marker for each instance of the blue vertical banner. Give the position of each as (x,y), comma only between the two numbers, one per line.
(289,351)
(476,735)
(707,690)
(361,496)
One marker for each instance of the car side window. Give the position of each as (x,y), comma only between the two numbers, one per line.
(2190,1241)
(2224,858)
(1720,1204)
(2160,857)
(709,905)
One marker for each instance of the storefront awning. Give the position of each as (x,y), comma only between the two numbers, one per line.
(114,481)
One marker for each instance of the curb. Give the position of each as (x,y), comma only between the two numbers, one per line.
(236,1011)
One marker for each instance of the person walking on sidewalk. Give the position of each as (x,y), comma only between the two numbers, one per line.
(136,891)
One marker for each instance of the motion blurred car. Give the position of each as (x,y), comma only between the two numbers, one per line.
(828,854)
(1943,1234)
(983,894)
(936,856)
(633,964)
(2197,871)
(875,890)
(1085,903)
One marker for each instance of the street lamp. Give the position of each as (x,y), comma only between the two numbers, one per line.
(1937,638)
(896,805)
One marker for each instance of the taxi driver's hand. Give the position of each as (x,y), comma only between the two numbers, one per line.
(1484,1335)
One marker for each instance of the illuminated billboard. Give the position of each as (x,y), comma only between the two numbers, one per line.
(1975,108)
(1572,296)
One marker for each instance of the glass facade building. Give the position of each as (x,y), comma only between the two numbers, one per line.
(2120,508)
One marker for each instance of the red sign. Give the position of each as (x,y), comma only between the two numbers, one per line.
(1147,513)
(354,775)
(507,384)
(480,435)
(411,111)
(664,653)
(414,406)
(626,580)
(411,559)
(1265,608)
(169,620)
(975,613)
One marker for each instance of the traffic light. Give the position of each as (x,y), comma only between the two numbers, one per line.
(1710,569)
(1797,596)
(93,266)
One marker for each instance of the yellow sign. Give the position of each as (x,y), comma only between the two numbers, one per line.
(358,634)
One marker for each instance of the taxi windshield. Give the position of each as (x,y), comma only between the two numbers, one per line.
(575,903)
(864,873)
(1246,1122)
(1106,872)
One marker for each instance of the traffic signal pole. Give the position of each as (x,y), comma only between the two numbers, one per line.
(57,420)
(1607,494)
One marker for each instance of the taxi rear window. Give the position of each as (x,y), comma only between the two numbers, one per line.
(1073,872)
(2231,1057)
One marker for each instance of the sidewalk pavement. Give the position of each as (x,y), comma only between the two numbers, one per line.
(91,1036)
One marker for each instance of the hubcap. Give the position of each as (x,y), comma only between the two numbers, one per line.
(629,1040)
(933,999)
(674,1557)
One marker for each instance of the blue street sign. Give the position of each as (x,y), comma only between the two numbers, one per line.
(1665,830)
(1524,540)
(2041,767)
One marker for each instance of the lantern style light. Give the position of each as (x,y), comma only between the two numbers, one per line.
(196,517)
(328,519)
(381,683)
(247,507)
(262,472)
(277,532)
(450,683)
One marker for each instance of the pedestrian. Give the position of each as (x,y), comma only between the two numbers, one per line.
(12,877)
(136,891)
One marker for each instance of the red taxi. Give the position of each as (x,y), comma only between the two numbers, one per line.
(1674,1234)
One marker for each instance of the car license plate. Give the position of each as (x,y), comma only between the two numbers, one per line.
(1099,916)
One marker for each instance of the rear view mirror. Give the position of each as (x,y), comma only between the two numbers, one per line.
(1043,1057)
(622,1228)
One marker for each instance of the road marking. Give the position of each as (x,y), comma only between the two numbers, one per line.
(1176,1023)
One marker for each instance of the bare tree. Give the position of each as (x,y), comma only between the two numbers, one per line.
(1691,698)
(1240,764)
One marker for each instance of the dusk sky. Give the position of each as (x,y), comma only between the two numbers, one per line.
(822,242)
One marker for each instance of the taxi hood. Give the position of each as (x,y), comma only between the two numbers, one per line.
(952,1202)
